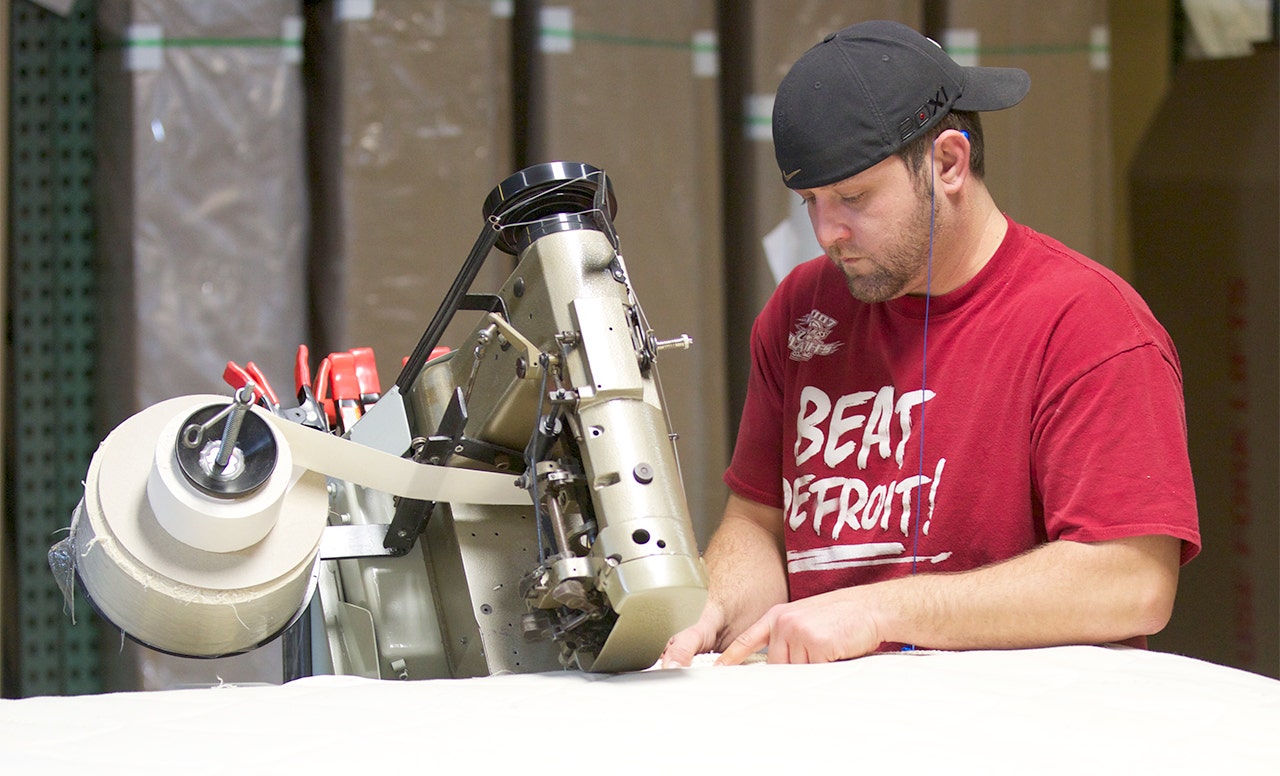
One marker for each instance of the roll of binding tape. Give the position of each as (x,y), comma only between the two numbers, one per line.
(168,594)
(210,523)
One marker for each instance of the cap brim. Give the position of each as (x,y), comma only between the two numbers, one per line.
(992,88)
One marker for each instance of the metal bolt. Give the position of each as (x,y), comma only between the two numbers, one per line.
(683,342)
(231,432)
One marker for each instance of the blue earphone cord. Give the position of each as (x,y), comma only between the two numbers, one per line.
(924,380)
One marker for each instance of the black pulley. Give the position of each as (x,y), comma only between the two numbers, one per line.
(538,200)
(550,197)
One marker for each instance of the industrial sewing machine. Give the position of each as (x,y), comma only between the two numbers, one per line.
(511,505)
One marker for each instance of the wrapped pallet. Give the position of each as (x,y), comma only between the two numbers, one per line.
(1049,164)
(632,88)
(201,205)
(409,109)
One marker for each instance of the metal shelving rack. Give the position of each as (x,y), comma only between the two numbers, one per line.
(50,278)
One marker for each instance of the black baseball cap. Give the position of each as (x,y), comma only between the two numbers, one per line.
(860,95)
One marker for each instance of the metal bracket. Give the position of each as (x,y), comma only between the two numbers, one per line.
(489,303)
(532,356)
(354,541)
(411,515)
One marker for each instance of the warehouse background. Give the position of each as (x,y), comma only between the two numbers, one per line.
(191,182)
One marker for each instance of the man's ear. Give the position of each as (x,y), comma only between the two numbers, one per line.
(951,157)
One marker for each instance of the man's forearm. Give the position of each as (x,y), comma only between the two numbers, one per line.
(745,564)
(1060,593)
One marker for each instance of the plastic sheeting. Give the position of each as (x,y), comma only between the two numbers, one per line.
(201,201)
(408,104)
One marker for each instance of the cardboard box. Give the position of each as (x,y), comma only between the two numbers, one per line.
(409,113)
(1206,194)
(1049,157)
(631,88)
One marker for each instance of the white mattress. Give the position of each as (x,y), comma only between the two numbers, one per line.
(1063,710)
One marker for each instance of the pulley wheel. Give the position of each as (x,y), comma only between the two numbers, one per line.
(562,194)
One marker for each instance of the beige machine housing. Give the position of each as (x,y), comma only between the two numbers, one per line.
(606,568)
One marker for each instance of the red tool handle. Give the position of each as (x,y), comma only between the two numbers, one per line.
(366,367)
(261,380)
(302,369)
(236,377)
(343,378)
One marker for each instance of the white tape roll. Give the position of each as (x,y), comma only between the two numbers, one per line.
(168,594)
(213,524)
(227,525)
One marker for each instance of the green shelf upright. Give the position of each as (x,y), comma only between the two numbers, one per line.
(51,333)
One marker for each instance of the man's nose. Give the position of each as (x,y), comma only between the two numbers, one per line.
(828,224)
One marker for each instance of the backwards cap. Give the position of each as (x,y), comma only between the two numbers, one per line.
(860,95)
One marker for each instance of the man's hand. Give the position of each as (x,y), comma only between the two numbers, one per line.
(702,636)
(822,629)
(744,562)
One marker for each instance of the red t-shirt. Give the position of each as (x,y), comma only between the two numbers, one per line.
(1049,407)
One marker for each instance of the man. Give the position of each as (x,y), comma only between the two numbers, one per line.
(958,433)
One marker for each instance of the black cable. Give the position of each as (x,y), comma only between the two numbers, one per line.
(435,330)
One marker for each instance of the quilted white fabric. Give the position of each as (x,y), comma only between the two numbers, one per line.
(1073,710)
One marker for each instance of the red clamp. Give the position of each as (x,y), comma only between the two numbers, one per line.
(238,377)
(345,384)
(366,375)
(302,369)
(273,401)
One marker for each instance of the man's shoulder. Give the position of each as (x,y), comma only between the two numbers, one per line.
(1054,270)
(1084,300)
(1048,256)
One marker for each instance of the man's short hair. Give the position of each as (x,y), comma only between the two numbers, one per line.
(916,152)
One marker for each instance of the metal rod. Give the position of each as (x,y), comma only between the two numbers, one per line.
(231,431)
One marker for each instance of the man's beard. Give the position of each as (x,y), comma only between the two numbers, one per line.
(900,263)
